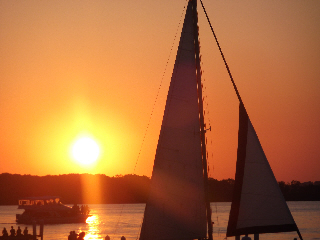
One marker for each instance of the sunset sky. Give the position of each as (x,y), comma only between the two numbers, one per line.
(99,69)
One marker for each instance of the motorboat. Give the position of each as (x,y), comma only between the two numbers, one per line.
(50,210)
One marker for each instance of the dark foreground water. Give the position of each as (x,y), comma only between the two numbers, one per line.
(118,220)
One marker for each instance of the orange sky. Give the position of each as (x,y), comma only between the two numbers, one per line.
(94,68)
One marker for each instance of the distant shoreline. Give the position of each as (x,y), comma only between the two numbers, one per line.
(127,189)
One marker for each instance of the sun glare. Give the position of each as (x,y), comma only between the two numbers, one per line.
(85,150)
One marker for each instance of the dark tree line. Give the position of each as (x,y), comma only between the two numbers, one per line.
(296,191)
(121,189)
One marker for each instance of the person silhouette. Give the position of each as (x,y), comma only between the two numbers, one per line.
(12,232)
(4,233)
(25,231)
(19,231)
(81,236)
(246,237)
(74,235)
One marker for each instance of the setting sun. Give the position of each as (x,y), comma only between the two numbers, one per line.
(85,150)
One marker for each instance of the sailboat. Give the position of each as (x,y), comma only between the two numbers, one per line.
(178,206)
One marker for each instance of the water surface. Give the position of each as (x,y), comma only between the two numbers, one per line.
(118,220)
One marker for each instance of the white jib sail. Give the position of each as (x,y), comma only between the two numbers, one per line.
(258,205)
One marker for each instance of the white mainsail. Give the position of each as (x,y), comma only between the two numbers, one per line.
(176,205)
(258,205)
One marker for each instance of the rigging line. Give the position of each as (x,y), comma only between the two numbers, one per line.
(224,60)
(161,82)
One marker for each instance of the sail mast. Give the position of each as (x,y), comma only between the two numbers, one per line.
(201,118)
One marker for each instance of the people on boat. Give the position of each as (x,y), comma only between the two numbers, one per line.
(246,237)
(123,238)
(19,232)
(4,233)
(76,208)
(25,231)
(12,232)
(107,238)
(84,209)
(51,212)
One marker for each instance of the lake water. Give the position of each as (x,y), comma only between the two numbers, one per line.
(118,220)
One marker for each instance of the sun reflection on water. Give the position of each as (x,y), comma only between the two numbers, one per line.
(93,230)
(114,220)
